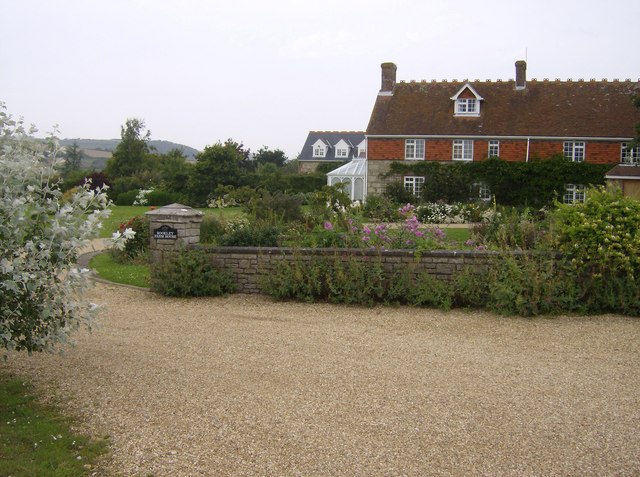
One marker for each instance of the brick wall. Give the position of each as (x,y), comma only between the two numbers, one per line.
(512,150)
(249,265)
(385,149)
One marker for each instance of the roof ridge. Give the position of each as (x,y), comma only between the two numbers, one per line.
(354,132)
(511,80)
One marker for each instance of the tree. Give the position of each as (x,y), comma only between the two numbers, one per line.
(41,291)
(217,165)
(73,156)
(267,156)
(173,171)
(129,157)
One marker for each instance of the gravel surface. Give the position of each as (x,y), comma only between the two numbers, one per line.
(241,386)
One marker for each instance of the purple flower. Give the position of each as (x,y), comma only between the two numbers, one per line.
(328,226)
(365,239)
(407,209)
(470,243)
(366,230)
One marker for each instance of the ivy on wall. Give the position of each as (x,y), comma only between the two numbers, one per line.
(535,183)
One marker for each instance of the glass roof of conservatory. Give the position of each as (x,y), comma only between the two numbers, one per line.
(355,168)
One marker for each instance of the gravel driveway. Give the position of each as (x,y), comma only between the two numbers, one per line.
(241,386)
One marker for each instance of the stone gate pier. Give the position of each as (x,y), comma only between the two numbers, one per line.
(173,227)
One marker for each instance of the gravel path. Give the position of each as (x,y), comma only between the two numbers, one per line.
(241,386)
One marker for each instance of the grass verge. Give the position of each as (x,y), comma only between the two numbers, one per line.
(36,439)
(127,274)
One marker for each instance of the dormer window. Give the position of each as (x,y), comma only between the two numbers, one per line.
(362,149)
(342,149)
(467,106)
(467,102)
(319,149)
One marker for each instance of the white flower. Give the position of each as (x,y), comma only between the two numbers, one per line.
(128,233)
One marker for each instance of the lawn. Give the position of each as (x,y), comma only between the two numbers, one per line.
(36,440)
(127,273)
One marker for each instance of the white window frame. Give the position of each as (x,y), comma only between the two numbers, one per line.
(495,145)
(342,152)
(484,192)
(414,149)
(467,107)
(319,151)
(574,193)
(462,150)
(629,156)
(413,184)
(574,150)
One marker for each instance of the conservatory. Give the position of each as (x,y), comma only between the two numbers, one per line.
(352,176)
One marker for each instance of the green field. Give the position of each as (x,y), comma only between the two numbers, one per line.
(36,440)
(125,273)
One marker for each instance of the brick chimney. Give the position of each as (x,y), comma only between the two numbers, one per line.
(388,77)
(521,74)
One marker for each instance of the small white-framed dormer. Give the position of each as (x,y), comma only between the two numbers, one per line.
(342,149)
(320,148)
(362,150)
(466,102)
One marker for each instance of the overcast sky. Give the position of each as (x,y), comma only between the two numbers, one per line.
(265,73)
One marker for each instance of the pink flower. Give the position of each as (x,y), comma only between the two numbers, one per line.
(328,226)
(366,230)
(407,209)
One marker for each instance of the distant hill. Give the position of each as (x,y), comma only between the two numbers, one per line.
(98,151)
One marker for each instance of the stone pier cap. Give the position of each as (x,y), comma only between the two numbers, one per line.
(174,210)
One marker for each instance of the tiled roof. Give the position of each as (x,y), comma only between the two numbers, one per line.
(622,170)
(352,138)
(542,108)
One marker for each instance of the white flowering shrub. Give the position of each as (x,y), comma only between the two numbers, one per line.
(41,291)
(456,213)
(142,197)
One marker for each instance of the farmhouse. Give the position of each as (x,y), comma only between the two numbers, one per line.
(517,120)
(322,147)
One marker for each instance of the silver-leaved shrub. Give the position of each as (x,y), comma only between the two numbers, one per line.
(41,291)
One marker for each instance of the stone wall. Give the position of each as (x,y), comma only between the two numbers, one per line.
(250,265)
(376,183)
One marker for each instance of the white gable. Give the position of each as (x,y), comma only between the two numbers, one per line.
(342,144)
(470,88)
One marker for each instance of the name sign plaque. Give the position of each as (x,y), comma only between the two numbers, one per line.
(165,232)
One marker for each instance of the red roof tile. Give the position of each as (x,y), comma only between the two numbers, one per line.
(543,108)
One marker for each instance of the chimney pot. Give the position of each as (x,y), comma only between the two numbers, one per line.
(521,74)
(388,77)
